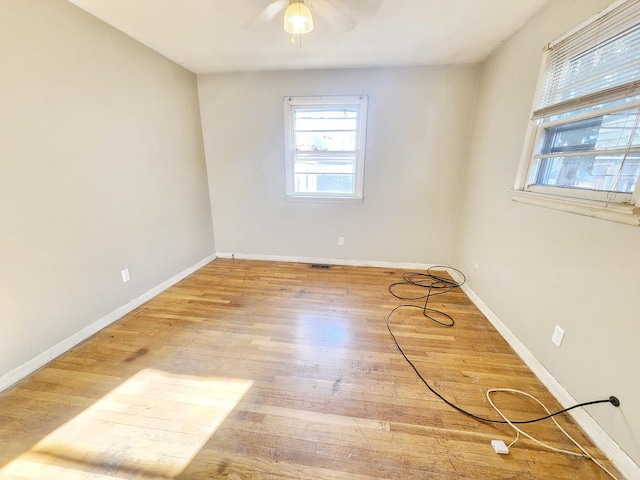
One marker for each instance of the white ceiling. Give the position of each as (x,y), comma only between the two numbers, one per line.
(214,35)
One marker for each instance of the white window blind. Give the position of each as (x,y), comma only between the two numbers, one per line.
(582,153)
(596,64)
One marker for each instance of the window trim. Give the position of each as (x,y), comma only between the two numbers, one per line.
(620,213)
(336,101)
(614,206)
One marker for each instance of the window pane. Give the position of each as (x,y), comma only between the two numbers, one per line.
(324,183)
(618,130)
(613,131)
(603,172)
(325,141)
(307,124)
(573,137)
(324,165)
(331,119)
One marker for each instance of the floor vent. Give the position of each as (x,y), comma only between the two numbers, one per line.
(319,266)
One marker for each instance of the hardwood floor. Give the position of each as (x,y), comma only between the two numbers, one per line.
(256,370)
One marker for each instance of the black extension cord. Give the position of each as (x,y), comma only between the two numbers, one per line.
(438,285)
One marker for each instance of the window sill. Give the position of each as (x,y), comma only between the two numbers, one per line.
(319,199)
(620,213)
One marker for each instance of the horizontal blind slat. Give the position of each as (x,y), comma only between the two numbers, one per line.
(612,94)
(600,57)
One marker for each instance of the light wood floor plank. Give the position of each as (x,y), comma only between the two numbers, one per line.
(251,370)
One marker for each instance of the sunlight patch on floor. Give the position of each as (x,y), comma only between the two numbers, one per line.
(151,426)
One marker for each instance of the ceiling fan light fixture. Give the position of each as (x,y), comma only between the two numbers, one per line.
(297,18)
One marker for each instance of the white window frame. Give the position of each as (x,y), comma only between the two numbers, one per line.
(325,102)
(614,206)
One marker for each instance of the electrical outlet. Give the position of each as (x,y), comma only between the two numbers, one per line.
(558,335)
(125,275)
(341,241)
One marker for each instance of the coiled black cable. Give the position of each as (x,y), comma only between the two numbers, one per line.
(436,284)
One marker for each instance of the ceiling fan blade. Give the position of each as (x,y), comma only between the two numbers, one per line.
(334,15)
(360,8)
(267,14)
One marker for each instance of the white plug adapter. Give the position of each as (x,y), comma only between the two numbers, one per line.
(500,447)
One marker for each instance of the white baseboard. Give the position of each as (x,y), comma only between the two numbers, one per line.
(59,348)
(622,461)
(325,261)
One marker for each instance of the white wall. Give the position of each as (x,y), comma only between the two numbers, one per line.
(540,267)
(101,168)
(418,123)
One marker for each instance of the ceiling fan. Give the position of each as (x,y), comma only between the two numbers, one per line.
(343,15)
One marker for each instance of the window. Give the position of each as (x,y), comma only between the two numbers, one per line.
(325,147)
(583,148)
